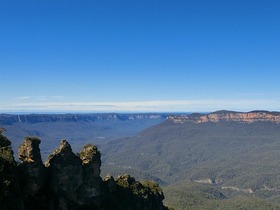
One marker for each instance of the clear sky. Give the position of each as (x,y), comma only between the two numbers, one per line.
(141,55)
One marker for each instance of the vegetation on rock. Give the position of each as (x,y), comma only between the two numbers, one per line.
(67,181)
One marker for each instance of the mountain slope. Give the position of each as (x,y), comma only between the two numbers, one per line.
(193,196)
(239,155)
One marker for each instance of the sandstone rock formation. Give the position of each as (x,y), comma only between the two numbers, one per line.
(32,174)
(10,196)
(66,177)
(246,117)
(91,191)
(67,181)
(127,193)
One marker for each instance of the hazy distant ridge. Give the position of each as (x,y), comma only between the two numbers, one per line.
(8,119)
(248,117)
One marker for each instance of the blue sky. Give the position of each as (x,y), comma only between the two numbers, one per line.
(156,55)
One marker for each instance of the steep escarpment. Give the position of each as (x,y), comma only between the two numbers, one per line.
(67,181)
(229,116)
(9,119)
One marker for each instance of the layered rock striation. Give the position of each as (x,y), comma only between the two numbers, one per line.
(67,181)
(228,116)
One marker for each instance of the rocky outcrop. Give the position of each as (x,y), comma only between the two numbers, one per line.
(208,181)
(233,188)
(32,174)
(228,116)
(91,191)
(68,181)
(66,177)
(10,196)
(126,193)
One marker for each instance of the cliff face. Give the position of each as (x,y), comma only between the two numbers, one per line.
(32,174)
(67,181)
(246,117)
(9,119)
(65,177)
(10,196)
(91,191)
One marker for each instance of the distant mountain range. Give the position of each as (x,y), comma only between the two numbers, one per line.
(9,119)
(78,129)
(229,116)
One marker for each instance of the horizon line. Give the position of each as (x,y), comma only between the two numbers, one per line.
(156,106)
